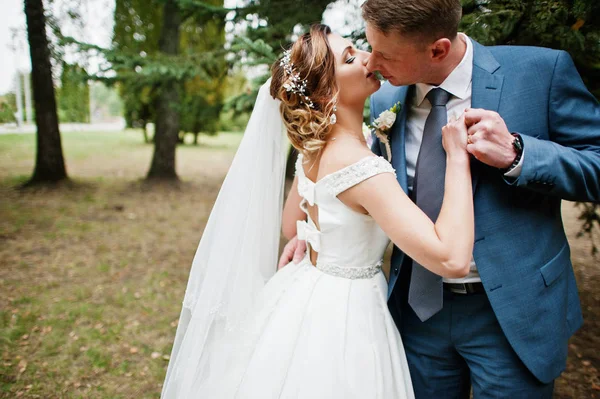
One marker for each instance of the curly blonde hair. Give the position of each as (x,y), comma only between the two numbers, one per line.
(314,62)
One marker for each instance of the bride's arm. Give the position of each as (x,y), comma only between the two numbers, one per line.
(292,212)
(445,247)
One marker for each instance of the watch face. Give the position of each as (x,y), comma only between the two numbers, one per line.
(517,144)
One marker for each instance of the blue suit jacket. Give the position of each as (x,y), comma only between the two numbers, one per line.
(521,250)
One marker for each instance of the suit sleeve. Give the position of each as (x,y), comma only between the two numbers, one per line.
(567,165)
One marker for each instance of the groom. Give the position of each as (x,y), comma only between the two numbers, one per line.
(534,136)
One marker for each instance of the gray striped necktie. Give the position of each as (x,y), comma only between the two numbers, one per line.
(425,294)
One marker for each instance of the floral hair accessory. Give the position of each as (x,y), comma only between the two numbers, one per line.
(296,84)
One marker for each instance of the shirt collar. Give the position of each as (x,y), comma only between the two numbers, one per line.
(459,80)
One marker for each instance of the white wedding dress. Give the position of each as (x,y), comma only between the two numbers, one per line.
(317,332)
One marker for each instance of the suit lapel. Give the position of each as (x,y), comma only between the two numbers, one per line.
(397,135)
(486,90)
(398,146)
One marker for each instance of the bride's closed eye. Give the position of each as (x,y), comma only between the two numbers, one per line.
(350,60)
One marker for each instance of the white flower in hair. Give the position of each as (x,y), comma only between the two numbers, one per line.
(295,85)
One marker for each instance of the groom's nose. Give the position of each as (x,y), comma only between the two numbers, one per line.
(365,59)
(370,63)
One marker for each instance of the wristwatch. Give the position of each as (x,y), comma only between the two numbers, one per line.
(518,146)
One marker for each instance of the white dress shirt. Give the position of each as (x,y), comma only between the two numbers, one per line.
(459,84)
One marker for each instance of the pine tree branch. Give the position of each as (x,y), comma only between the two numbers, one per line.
(204,11)
(156,69)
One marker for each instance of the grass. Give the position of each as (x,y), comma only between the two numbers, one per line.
(92,273)
(103,156)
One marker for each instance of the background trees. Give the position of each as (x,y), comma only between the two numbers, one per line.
(192,66)
(573,26)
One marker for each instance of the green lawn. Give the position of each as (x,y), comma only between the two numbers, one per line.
(106,155)
(92,273)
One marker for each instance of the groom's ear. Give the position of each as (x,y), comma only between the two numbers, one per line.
(440,49)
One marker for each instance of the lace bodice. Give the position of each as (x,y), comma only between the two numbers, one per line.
(349,244)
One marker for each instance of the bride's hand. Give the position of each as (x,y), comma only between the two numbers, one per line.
(454,137)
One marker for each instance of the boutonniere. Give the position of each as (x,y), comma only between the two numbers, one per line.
(382,125)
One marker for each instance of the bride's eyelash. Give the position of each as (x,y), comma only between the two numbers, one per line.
(350,60)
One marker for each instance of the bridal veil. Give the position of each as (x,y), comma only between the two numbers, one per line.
(239,247)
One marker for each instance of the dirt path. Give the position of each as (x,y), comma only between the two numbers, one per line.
(582,377)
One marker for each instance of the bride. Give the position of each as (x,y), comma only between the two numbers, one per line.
(319,328)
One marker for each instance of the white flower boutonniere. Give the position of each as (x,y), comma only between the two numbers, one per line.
(382,125)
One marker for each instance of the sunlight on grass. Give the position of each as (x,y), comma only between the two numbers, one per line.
(104,154)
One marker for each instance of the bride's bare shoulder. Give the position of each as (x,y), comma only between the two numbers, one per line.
(339,155)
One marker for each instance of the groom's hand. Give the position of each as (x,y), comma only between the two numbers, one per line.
(294,250)
(489,140)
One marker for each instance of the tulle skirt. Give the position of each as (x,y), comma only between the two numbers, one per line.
(311,335)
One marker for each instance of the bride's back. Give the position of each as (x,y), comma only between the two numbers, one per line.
(342,236)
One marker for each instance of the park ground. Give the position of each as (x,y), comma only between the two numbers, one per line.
(92,273)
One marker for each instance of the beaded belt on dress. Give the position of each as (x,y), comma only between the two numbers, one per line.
(353,273)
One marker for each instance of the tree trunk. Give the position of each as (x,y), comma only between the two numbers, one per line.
(167,119)
(49,162)
(145,131)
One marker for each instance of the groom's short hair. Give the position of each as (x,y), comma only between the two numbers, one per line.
(427,19)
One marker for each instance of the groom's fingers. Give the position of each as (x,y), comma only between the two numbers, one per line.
(287,254)
(300,251)
(284,260)
(474,115)
(294,250)
(480,129)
